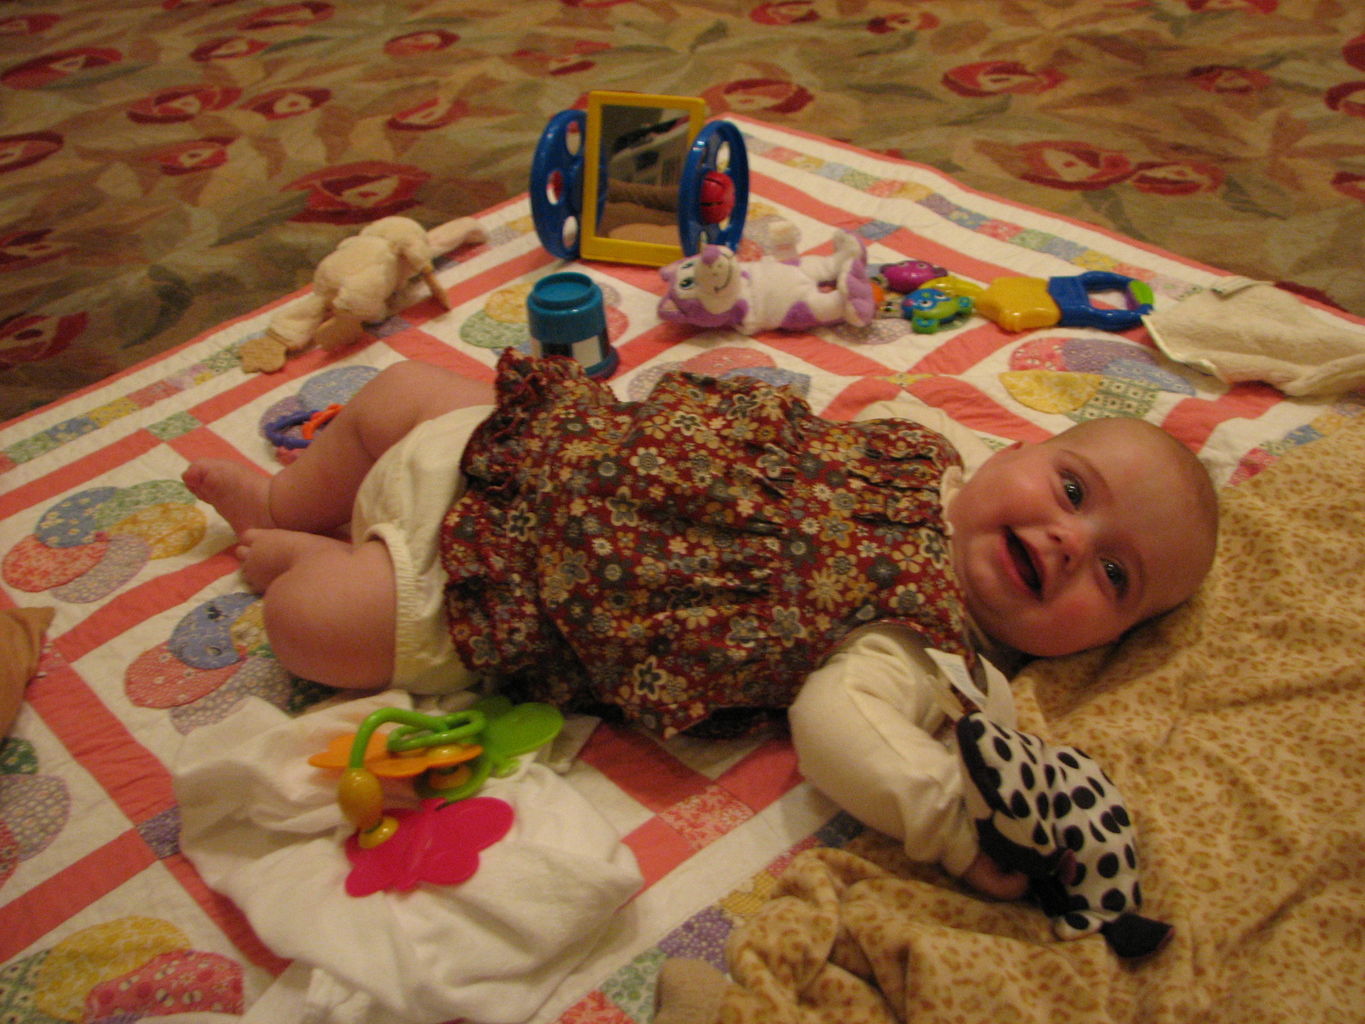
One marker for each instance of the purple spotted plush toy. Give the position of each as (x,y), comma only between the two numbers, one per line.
(1052,813)
(716,289)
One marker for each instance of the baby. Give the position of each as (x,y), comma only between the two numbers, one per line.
(715,546)
(1060,546)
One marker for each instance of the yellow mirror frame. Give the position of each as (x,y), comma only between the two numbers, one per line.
(592,244)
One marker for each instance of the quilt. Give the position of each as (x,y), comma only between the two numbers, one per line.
(155,636)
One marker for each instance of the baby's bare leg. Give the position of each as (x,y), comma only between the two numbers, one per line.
(329,605)
(315,493)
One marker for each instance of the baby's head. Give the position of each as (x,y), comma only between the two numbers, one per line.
(1066,544)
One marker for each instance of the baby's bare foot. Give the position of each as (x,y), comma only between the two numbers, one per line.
(240,494)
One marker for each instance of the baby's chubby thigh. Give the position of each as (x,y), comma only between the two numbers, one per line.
(329,606)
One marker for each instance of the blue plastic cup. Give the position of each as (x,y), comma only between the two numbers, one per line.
(567,318)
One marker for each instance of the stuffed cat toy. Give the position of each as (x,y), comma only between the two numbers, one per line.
(1052,813)
(715,289)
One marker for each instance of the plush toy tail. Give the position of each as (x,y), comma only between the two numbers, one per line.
(1134,935)
(455,233)
(1128,935)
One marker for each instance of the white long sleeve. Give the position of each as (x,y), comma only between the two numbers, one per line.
(864,729)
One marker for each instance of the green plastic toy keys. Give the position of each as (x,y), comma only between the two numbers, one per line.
(511,730)
(449,757)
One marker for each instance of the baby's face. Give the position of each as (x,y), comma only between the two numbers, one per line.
(1063,546)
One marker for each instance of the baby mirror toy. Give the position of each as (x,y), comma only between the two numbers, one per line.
(638,178)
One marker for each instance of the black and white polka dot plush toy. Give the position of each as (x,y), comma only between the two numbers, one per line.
(1052,813)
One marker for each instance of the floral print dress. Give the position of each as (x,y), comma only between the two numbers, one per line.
(702,549)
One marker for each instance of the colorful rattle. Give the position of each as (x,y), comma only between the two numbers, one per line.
(931,309)
(907,275)
(448,757)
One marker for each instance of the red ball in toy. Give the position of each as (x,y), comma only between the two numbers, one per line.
(717,197)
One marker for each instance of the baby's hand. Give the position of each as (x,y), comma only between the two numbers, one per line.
(987,877)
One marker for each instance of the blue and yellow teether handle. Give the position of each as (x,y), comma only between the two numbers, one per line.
(1072,295)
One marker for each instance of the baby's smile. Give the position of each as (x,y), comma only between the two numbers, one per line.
(1020,559)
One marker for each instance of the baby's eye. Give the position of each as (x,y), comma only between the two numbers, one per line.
(1117,576)
(1073,490)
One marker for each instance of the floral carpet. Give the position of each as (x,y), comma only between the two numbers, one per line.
(167,166)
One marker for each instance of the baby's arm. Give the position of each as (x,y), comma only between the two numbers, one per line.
(863,725)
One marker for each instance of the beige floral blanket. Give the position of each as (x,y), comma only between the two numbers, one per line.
(1234,727)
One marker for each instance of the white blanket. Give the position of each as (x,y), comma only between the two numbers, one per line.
(263,827)
(1239,329)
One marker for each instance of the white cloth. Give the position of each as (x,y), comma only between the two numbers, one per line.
(1241,330)
(402,502)
(263,827)
(866,723)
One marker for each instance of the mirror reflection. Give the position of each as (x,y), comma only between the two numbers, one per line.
(644,150)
